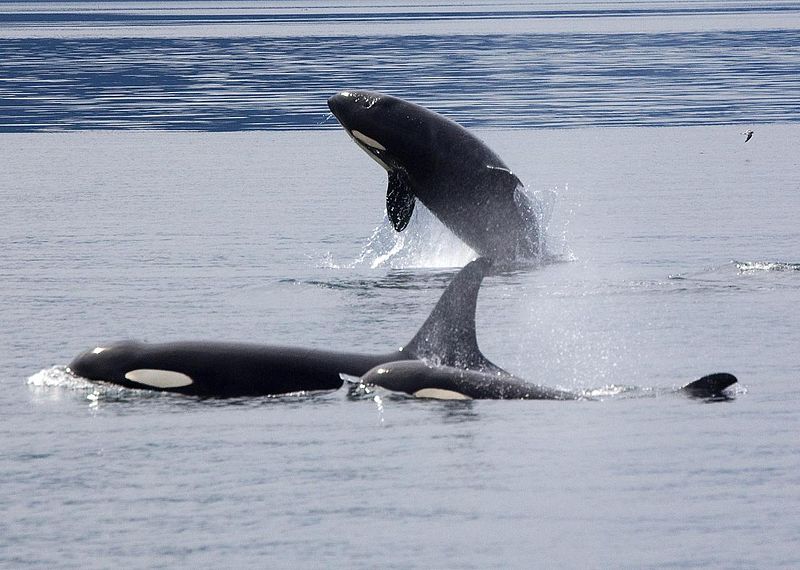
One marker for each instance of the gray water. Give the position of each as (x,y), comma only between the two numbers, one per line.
(676,255)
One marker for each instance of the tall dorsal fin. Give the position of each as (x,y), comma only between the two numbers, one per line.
(399,199)
(448,335)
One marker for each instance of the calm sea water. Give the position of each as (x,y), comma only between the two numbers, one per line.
(233,66)
(125,213)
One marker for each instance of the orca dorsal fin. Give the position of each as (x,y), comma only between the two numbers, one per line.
(448,335)
(399,199)
(709,386)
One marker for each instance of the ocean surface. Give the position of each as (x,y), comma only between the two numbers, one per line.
(169,170)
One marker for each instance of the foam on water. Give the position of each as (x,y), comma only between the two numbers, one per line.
(60,377)
(757,266)
(727,272)
(427,243)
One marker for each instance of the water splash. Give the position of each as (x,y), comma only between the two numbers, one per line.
(733,267)
(425,243)
(746,267)
(618,391)
(379,403)
(554,228)
(61,377)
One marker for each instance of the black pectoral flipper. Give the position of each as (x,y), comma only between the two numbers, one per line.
(399,199)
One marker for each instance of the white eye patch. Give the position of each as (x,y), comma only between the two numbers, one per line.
(437,394)
(370,142)
(159,378)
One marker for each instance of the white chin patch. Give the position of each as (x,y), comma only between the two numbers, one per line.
(370,142)
(158,378)
(437,394)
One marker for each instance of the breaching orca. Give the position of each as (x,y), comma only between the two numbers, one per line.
(452,172)
(232,369)
(424,380)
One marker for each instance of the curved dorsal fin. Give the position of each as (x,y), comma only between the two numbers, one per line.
(448,335)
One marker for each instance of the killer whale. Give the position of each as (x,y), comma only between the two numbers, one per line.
(423,380)
(446,382)
(452,172)
(218,369)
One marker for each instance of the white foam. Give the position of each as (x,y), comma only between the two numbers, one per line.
(59,376)
(426,242)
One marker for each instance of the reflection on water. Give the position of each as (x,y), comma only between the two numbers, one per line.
(509,80)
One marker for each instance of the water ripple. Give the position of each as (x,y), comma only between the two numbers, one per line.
(523,80)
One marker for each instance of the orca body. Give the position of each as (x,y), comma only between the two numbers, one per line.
(452,172)
(232,369)
(422,380)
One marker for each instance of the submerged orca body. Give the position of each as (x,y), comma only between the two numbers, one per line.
(711,386)
(448,383)
(452,172)
(420,379)
(231,369)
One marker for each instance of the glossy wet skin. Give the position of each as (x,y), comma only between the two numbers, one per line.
(392,131)
(450,170)
(420,379)
(221,369)
(243,369)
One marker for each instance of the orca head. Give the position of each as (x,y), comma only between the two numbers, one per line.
(399,135)
(385,127)
(123,363)
(421,150)
(106,362)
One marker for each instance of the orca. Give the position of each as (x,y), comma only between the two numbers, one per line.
(711,386)
(217,369)
(423,380)
(452,172)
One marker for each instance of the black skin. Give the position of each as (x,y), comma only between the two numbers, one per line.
(452,172)
(447,337)
(411,376)
(228,369)
(236,369)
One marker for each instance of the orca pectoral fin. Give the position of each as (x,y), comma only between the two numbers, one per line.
(399,199)
(709,386)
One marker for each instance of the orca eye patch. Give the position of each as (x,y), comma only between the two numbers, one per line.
(156,378)
(369,141)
